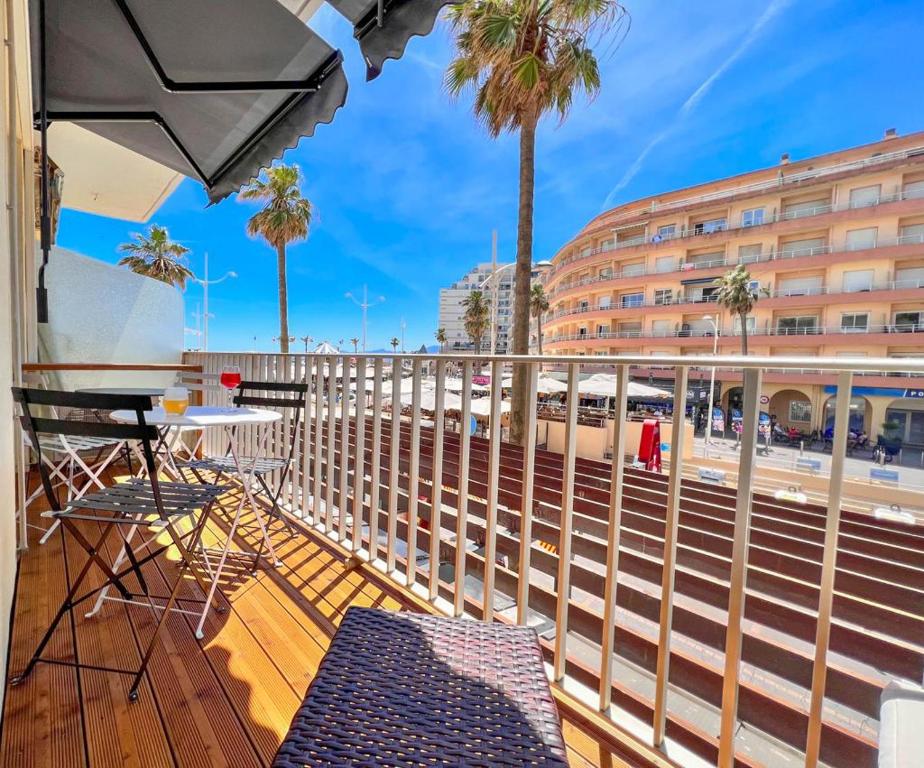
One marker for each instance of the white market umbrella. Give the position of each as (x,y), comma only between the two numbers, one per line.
(482,406)
(545,385)
(451,402)
(455,385)
(604,385)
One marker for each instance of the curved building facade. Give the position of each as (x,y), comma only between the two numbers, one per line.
(835,246)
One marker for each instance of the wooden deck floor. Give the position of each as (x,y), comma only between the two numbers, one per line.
(224,701)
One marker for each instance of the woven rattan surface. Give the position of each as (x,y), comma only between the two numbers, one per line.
(401,689)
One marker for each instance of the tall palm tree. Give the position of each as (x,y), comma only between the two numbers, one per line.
(477,317)
(395,341)
(355,342)
(441,339)
(523,59)
(285,219)
(156,255)
(538,305)
(736,294)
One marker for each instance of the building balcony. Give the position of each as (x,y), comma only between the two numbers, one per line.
(357,497)
(897,204)
(782,258)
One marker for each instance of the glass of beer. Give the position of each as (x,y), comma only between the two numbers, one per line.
(176,401)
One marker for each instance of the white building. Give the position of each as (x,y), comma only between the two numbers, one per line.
(452,312)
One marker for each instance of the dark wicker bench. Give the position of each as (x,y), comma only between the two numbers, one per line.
(402,689)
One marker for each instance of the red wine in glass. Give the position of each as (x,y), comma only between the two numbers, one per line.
(230,378)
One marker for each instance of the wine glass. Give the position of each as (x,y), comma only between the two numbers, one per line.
(230,379)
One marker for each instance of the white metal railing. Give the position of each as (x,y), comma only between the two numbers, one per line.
(539,533)
(695,231)
(783,252)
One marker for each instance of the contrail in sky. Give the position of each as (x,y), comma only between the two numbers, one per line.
(693,100)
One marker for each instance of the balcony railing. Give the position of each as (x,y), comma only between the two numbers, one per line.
(632,578)
(815,330)
(696,231)
(783,252)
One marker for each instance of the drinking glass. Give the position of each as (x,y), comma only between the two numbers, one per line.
(176,400)
(230,379)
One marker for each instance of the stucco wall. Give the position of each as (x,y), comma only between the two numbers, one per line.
(100,313)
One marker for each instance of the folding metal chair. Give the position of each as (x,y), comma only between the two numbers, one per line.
(286,396)
(123,507)
(202,383)
(75,462)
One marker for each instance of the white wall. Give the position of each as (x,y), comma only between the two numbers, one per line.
(101,313)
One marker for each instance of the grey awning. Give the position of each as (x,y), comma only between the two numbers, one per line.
(215,89)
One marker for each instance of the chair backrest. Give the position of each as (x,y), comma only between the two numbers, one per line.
(278,395)
(32,402)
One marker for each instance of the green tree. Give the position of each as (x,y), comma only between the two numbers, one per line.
(523,59)
(285,219)
(395,341)
(477,317)
(355,342)
(156,255)
(441,339)
(737,294)
(538,306)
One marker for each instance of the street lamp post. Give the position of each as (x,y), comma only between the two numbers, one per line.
(307,340)
(715,349)
(205,283)
(364,305)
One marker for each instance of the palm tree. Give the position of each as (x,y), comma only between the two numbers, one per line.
(736,294)
(285,219)
(523,59)
(355,342)
(477,317)
(441,339)
(395,341)
(156,255)
(538,305)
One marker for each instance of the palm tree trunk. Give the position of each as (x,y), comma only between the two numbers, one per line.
(283,298)
(539,328)
(519,393)
(744,334)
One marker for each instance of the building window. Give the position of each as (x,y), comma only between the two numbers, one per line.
(855,322)
(582,332)
(709,226)
(665,264)
(583,306)
(586,251)
(632,270)
(860,239)
(909,322)
(752,217)
(796,326)
(662,328)
(800,410)
(862,197)
(667,231)
(749,254)
(858,280)
(607,245)
(632,300)
(602,330)
(663,296)
(604,302)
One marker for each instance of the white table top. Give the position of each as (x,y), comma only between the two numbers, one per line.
(202,416)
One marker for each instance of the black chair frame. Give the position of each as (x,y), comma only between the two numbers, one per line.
(110,517)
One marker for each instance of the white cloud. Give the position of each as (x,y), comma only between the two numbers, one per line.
(693,100)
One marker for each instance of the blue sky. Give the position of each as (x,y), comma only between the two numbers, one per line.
(407,187)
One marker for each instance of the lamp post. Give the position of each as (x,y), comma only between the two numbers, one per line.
(715,349)
(205,283)
(364,305)
(306,340)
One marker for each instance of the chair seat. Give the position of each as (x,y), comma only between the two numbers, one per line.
(136,497)
(260,466)
(55,444)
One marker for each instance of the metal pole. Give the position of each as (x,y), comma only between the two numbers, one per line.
(41,293)
(205,302)
(365,309)
(493,292)
(715,350)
